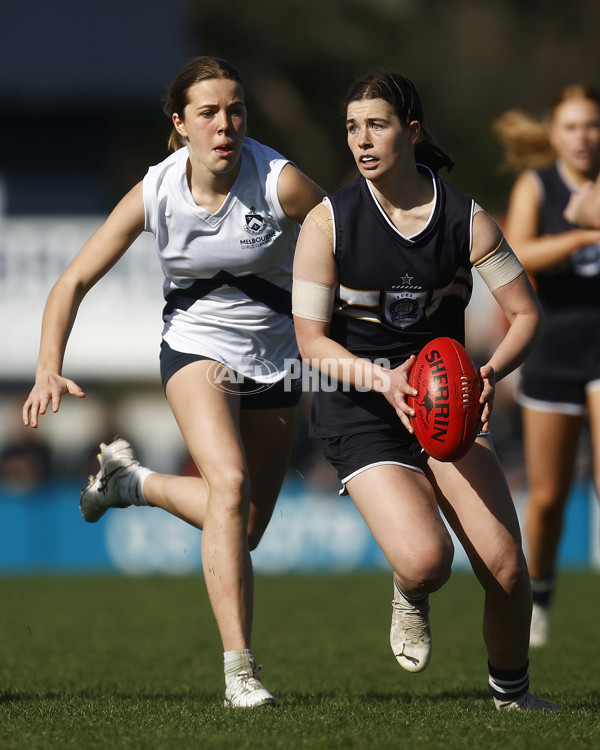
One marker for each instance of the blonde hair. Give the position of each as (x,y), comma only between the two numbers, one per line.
(525,139)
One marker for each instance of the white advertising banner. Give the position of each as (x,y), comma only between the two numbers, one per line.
(117,331)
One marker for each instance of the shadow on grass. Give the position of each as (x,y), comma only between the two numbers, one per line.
(591,701)
(288,700)
(297,699)
(9,696)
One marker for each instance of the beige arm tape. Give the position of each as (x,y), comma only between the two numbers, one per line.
(312,301)
(321,215)
(499,267)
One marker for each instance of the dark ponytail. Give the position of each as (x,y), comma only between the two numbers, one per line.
(432,156)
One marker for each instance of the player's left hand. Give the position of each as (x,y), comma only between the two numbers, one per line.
(571,212)
(48,389)
(488,377)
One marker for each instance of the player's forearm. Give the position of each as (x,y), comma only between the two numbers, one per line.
(59,316)
(521,339)
(541,253)
(335,361)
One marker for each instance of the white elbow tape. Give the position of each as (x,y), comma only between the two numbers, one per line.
(499,267)
(312,301)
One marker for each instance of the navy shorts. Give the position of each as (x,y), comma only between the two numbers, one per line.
(555,395)
(352,454)
(253,394)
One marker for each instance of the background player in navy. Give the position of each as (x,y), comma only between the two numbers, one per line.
(225,212)
(583,208)
(561,380)
(381,267)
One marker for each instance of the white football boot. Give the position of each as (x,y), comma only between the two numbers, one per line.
(525,702)
(243,689)
(410,634)
(117,484)
(539,634)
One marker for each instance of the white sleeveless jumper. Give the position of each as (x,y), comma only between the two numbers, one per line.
(227,275)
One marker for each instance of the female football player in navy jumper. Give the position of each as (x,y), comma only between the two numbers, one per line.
(399,233)
(561,380)
(583,208)
(225,212)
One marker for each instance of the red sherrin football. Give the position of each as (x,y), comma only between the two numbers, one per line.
(447,409)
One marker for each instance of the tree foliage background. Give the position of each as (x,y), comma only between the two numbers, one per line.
(81,85)
(470,60)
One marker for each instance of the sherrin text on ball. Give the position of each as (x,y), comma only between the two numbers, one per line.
(447,409)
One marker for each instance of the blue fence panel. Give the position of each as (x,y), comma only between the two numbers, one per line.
(42,531)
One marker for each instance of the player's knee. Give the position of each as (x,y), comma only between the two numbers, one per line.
(547,501)
(510,573)
(440,568)
(430,570)
(440,557)
(230,484)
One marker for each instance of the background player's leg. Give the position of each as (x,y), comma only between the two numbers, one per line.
(550,440)
(268,437)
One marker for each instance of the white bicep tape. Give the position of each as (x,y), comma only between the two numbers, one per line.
(499,267)
(312,301)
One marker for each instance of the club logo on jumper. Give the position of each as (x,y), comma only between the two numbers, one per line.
(256,225)
(254,222)
(404,304)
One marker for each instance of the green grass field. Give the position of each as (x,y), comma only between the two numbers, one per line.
(112,662)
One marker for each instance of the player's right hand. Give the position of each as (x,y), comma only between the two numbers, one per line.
(48,389)
(399,389)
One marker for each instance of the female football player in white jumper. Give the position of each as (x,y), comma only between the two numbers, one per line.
(560,383)
(225,212)
(383,266)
